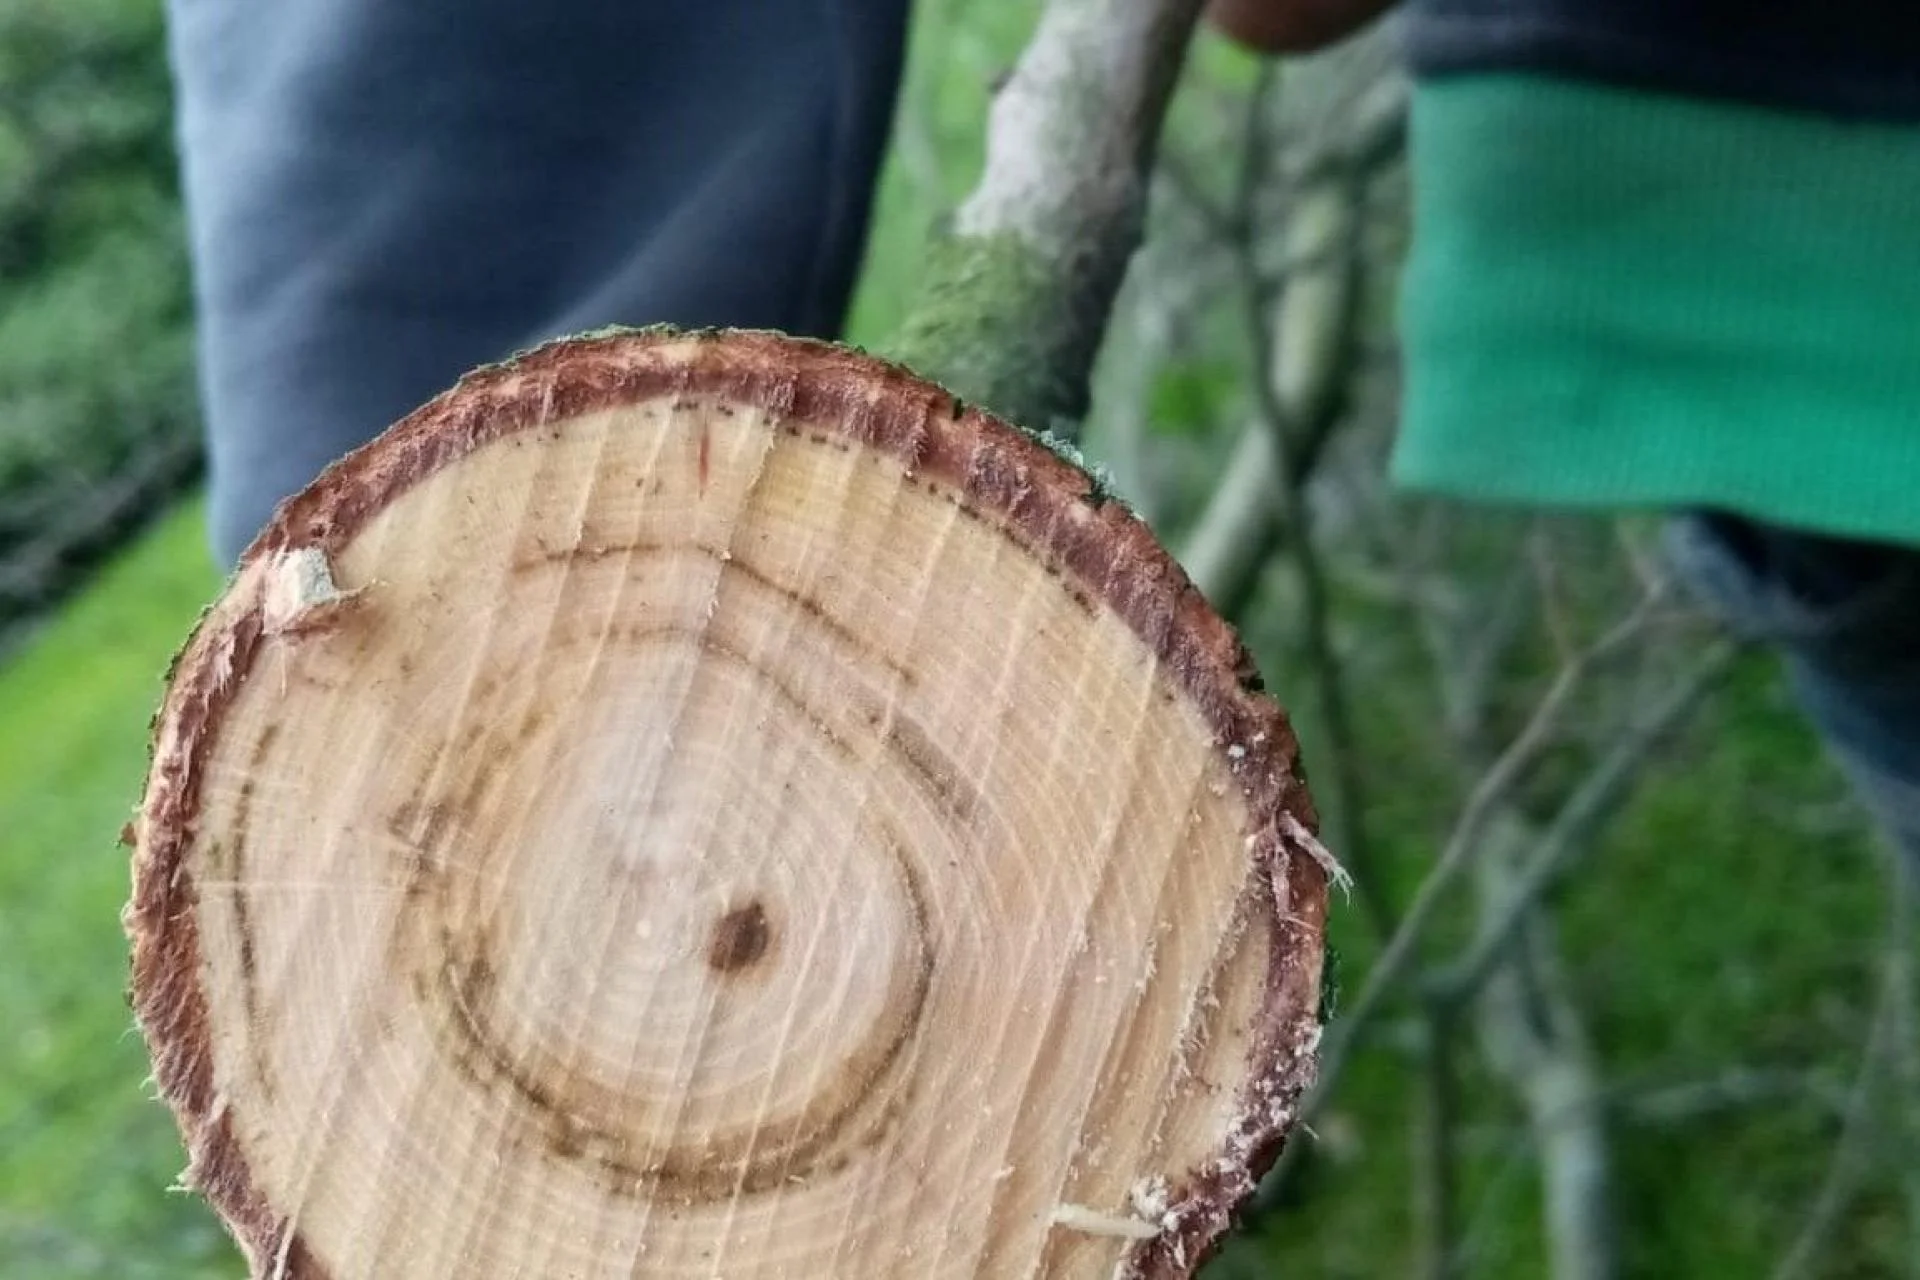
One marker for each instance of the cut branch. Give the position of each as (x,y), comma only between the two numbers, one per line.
(635,819)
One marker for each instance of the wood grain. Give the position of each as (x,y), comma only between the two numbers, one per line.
(709,805)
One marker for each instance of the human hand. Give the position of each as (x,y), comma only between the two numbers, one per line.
(1292,26)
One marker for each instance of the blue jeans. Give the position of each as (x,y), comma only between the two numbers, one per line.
(1845,618)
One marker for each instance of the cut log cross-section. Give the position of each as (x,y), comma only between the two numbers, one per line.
(710,805)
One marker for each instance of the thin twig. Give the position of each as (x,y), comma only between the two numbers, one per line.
(1534,1035)
(1178,177)
(1298,387)
(1488,795)
(1662,1105)
(1240,528)
(1570,837)
(1148,331)
(1736,1087)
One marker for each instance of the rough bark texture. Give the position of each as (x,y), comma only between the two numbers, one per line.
(1016,297)
(396,948)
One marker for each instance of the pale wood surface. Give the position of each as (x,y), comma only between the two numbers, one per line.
(675,839)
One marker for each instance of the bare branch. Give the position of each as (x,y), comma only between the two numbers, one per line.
(1736,1087)
(1240,528)
(1571,836)
(1177,175)
(1402,947)
(1488,797)
(1155,310)
(1307,345)
(1890,1051)
(1015,302)
(1535,1037)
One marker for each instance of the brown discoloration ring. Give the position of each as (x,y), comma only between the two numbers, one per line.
(933,771)
(846,636)
(998,475)
(822,730)
(469,970)
(719,1167)
(619,1139)
(588,553)
(740,938)
(421,829)
(230,865)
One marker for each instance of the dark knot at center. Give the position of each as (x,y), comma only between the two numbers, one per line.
(739,938)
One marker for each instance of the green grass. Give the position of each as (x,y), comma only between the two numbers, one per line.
(85,1159)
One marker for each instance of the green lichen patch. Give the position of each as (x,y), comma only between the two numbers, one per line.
(998,323)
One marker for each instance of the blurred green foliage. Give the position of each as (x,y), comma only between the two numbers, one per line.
(86,1159)
(96,383)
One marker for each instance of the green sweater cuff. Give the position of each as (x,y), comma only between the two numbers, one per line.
(1618,298)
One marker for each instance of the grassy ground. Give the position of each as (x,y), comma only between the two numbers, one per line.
(1718,933)
(84,1158)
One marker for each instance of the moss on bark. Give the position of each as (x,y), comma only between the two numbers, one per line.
(1011,327)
